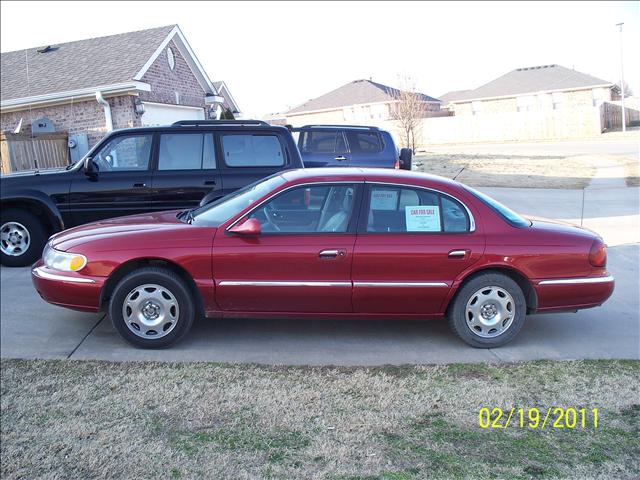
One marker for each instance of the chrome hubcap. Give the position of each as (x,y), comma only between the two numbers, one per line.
(150,311)
(490,312)
(14,239)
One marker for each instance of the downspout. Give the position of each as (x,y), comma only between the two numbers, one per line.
(107,110)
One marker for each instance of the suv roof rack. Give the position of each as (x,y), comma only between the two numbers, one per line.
(198,123)
(364,127)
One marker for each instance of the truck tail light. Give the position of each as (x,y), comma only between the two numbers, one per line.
(397,165)
(598,254)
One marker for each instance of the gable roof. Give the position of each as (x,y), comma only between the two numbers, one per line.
(453,95)
(224,92)
(532,80)
(354,93)
(74,67)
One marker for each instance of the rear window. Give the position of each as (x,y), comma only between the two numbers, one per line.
(511,217)
(252,150)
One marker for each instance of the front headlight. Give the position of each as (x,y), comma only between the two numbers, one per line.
(65,261)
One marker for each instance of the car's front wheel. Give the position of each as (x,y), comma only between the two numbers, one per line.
(488,311)
(22,237)
(152,307)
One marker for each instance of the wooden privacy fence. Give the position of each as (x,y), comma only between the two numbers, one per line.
(22,152)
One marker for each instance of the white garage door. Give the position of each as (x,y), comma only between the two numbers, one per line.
(161,114)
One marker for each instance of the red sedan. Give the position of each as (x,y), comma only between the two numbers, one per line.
(328,243)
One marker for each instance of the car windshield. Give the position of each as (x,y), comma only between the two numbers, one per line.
(215,213)
(511,217)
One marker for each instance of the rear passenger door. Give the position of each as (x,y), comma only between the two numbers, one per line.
(248,157)
(186,170)
(323,148)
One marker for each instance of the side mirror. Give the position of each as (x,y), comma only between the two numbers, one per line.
(250,226)
(90,167)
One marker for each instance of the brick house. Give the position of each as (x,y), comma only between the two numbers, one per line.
(358,102)
(89,87)
(533,89)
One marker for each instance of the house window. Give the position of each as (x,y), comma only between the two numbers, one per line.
(558,100)
(171,60)
(525,103)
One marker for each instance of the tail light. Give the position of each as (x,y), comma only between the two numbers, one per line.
(598,254)
(397,165)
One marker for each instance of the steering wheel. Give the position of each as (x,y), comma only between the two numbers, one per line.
(103,164)
(270,214)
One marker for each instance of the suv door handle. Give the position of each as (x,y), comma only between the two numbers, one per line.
(340,158)
(139,185)
(457,253)
(209,182)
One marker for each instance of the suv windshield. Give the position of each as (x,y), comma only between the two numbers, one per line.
(511,217)
(215,213)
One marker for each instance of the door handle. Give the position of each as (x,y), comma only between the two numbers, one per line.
(139,185)
(331,253)
(457,253)
(209,182)
(340,158)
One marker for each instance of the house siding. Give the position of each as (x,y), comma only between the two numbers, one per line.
(166,82)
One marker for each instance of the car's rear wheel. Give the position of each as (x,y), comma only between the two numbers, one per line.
(152,307)
(22,237)
(488,311)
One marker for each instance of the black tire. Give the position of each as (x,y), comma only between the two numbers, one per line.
(37,237)
(460,321)
(406,154)
(169,281)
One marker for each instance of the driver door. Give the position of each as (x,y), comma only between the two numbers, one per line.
(122,185)
(300,263)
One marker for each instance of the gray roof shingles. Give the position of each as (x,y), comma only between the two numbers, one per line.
(530,80)
(354,93)
(76,65)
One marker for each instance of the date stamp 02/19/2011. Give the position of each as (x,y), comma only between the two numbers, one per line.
(536,418)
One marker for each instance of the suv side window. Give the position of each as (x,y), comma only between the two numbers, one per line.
(252,150)
(394,209)
(186,151)
(323,142)
(364,142)
(125,153)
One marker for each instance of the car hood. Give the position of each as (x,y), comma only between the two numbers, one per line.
(33,173)
(122,231)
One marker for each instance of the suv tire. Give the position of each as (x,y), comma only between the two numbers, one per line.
(22,237)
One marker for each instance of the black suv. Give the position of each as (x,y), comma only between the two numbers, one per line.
(139,170)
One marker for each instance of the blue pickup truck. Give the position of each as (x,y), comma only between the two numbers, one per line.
(349,146)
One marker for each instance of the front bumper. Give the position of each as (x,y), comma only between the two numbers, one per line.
(67,289)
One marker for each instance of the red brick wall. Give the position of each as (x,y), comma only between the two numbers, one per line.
(165,82)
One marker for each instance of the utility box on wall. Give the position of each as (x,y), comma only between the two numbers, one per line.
(42,125)
(78,146)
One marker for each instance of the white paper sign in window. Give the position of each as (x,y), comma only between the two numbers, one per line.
(422,218)
(384,199)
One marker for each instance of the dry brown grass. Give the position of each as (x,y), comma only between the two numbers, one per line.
(70,419)
(486,170)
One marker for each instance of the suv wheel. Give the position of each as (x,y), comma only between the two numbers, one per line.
(152,308)
(22,237)
(488,311)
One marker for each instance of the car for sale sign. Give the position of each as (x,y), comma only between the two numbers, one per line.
(423,218)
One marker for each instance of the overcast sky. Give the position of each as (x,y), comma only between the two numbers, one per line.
(274,56)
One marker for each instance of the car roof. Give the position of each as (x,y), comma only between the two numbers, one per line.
(356,174)
(185,128)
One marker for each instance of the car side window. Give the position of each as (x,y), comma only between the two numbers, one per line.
(323,142)
(364,142)
(125,153)
(186,151)
(396,209)
(252,150)
(308,209)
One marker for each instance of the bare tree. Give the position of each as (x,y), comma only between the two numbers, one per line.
(408,109)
